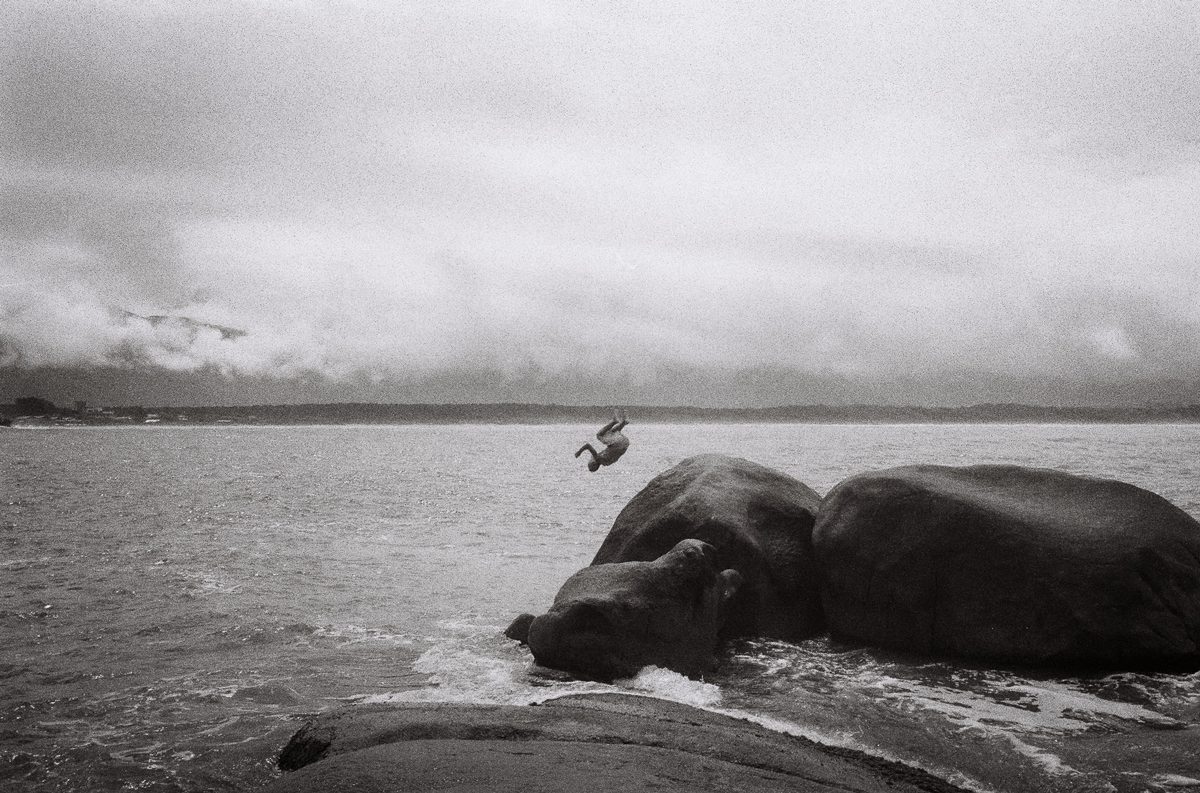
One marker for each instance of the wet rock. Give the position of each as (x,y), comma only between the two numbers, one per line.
(599,743)
(715,548)
(758,520)
(610,620)
(1011,564)
(519,628)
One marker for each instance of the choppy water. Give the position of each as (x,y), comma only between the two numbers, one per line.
(174,601)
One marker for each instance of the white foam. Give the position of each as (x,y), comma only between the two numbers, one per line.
(768,665)
(457,675)
(1071,707)
(203,584)
(355,634)
(665,684)
(21,564)
(1042,707)
(479,666)
(1175,780)
(1047,761)
(849,740)
(845,740)
(476,664)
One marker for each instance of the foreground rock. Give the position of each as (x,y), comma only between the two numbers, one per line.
(1018,565)
(715,548)
(608,743)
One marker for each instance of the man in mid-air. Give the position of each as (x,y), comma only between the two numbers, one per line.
(614,442)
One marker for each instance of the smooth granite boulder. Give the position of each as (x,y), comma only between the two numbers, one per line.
(1011,564)
(715,548)
(610,620)
(607,743)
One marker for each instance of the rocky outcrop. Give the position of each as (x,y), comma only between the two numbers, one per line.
(1010,564)
(608,743)
(758,520)
(610,620)
(715,548)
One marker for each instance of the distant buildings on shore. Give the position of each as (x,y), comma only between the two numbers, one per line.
(38,412)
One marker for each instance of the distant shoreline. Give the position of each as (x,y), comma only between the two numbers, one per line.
(521,413)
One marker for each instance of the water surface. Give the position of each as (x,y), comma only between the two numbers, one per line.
(177,599)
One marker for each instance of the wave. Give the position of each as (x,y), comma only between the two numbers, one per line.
(475,663)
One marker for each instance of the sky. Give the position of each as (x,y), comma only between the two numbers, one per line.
(726,204)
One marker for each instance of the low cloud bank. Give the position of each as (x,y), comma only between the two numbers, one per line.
(670,326)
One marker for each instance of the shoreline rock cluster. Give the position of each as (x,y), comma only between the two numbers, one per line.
(993,563)
(1017,566)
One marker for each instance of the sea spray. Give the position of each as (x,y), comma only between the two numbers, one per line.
(665,684)
(478,667)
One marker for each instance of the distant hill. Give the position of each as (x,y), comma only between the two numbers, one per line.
(370,413)
(185,323)
(515,413)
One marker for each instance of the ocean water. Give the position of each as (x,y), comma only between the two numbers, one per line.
(176,600)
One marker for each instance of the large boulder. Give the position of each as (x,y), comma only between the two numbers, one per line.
(715,548)
(605,744)
(1011,564)
(610,620)
(758,520)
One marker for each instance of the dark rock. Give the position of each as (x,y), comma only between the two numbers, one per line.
(610,620)
(652,598)
(604,744)
(757,519)
(519,628)
(1011,564)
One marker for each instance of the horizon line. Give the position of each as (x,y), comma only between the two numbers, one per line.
(1142,406)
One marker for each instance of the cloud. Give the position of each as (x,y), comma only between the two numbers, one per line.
(531,196)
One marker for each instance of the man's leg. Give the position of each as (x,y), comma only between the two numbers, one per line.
(605,429)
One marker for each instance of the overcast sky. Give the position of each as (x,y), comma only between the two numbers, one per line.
(601,203)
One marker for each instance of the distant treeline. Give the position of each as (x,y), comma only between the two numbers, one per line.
(534,414)
(370,413)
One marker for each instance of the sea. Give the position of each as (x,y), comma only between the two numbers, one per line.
(176,601)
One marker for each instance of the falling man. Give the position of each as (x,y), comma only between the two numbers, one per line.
(614,442)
